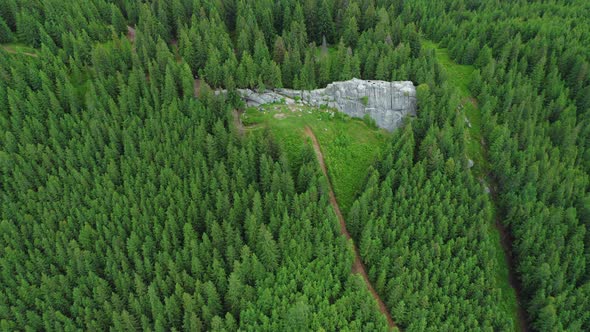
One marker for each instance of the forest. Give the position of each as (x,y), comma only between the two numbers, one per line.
(129,200)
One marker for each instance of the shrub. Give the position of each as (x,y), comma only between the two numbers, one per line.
(369,121)
(365,100)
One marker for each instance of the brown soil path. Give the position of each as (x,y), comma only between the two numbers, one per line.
(131,34)
(357,265)
(506,242)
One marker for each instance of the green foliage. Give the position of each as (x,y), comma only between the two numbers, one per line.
(15,48)
(27,29)
(128,204)
(349,145)
(365,100)
(369,121)
(413,218)
(5,32)
(526,88)
(141,208)
(475,150)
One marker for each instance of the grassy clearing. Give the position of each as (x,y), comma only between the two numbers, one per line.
(460,76)
(457,75)
(332,49)
(349,145)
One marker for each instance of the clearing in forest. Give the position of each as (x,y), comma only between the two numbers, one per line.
(460,76)
(350,145)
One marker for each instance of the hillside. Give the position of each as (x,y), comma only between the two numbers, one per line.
(139,192)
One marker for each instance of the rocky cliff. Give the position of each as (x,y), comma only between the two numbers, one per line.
(386,102)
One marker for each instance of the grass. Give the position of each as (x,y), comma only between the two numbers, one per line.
(18,48)
(349,146)
(332,49)
(460,76)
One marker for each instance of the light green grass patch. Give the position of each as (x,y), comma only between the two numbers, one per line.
(458,75)
(332,49)
(349,146)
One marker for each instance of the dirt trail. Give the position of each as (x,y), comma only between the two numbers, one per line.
(506,240)
(131,34)
(197,87)
(487,179)
(357,265)
(238,122)
(13,51)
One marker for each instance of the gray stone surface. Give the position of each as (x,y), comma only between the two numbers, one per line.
(386,102)
(253,98)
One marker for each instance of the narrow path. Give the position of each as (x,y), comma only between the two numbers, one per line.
(238,122)
(197,87)
(487,179)
(13,51)
(357,265)
(131,34)
(506,241)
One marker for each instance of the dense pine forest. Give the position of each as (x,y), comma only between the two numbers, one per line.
(129,200)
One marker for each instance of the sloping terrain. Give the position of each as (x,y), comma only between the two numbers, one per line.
(357,267)
(460,76)
(350,145)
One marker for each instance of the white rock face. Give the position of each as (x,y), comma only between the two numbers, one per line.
(253,98)
(386,102)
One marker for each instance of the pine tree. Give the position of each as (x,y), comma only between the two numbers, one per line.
(213,70)
(325,24)
(5,33)
(26,29)
(279,50)
(351,32)
(117,20)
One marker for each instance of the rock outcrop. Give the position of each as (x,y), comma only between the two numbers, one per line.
(253,98)
(386,102)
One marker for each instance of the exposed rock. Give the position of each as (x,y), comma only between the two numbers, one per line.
(386,102)
(468,122)
(470,163)
(253,98)
(486,187)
